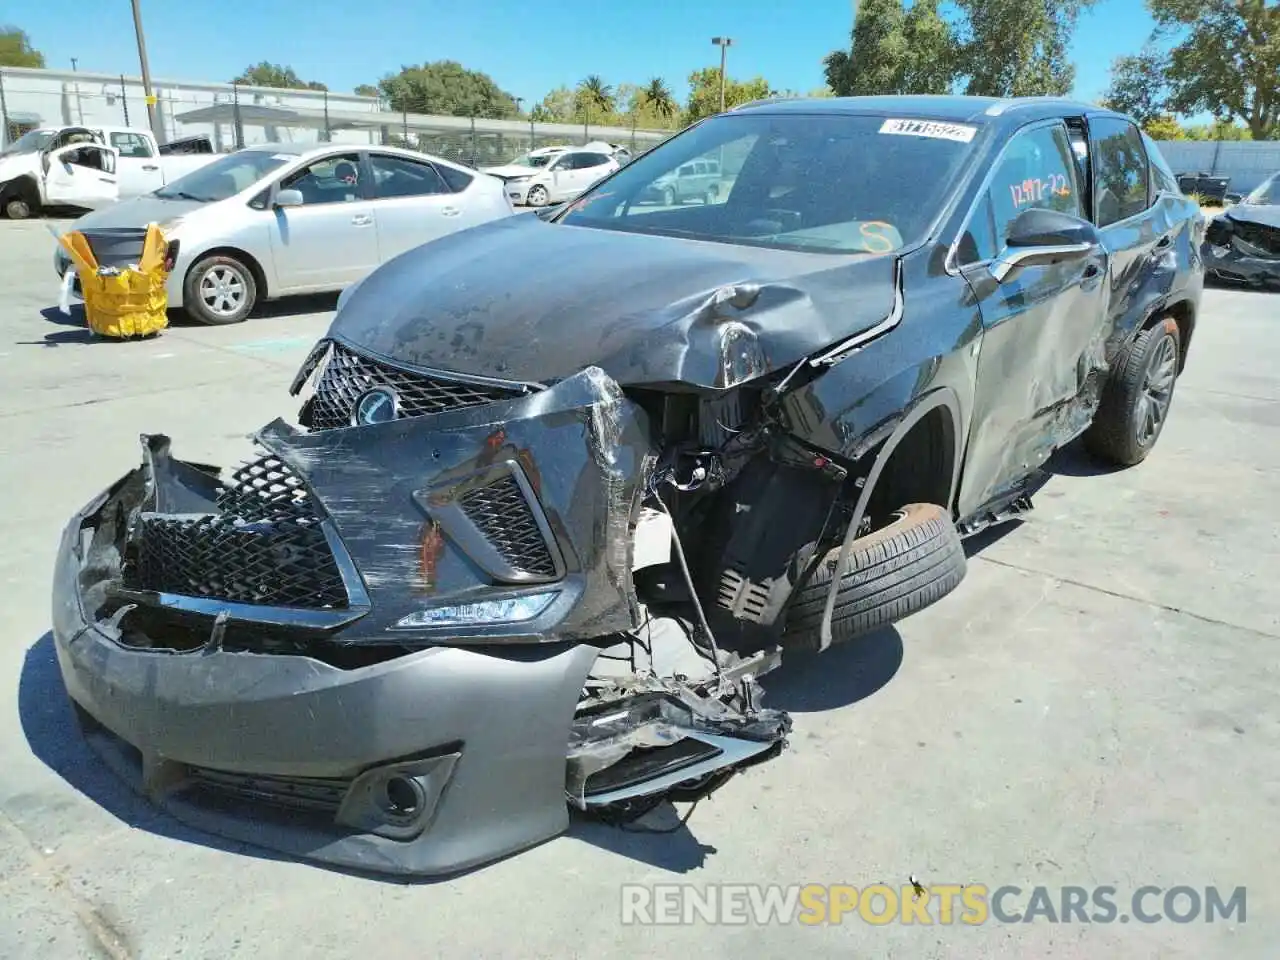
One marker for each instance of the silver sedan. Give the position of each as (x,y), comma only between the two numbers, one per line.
(280,219)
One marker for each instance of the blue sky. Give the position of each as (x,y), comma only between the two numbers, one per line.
(528,48)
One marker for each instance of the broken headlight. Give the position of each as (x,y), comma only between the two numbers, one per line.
(505,610)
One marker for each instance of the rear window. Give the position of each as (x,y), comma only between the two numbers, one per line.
(131,145)
(456,179)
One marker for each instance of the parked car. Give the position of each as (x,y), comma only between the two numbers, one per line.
(562,489)
(699,180)
(561,177)
(85,167)
(279,219)
(1242,244)
(1207,186)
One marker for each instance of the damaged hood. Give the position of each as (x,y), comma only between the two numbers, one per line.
(1267,215)
(522,299)
(139,212)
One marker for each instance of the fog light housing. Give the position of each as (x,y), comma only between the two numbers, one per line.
(517,609)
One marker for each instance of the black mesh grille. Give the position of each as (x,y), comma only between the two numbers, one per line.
(503,515)
(347,376)
(265,545)
(291,793)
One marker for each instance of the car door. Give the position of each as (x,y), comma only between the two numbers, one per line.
(592,168)
(80,175)
(1042,326)
(1137,229)
(684,181)
(412,204)
(330,238)
(561,172)
(139,169)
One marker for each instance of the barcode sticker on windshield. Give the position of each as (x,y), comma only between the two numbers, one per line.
(961,132)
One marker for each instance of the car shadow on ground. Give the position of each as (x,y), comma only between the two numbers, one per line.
(1074,460)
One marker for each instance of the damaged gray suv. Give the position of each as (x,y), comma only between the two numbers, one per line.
(563,487)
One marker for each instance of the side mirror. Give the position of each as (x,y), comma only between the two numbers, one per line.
(1042,237)
(289,198)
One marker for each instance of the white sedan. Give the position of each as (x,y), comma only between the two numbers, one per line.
(279,219)
(563,177)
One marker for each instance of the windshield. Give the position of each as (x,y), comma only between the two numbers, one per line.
(530,160)
(30,142)
(1267,193)
(225,177)
(831,183)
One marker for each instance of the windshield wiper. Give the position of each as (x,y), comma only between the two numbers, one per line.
(181,195)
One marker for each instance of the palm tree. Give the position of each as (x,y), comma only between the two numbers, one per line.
(594,92)
(658,95)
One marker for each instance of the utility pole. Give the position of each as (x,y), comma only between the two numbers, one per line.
(724,43)
(79,105)
(148,93)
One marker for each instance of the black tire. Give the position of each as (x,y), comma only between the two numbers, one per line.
(542,193)
(195,302)
(18,208)
(668,197)
(1121,432)
(892,573)
(710,196)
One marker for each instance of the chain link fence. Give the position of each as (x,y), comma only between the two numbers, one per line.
(232,116)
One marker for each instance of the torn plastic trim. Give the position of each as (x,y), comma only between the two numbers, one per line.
(844,349)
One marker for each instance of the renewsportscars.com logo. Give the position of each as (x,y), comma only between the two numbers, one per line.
(816,904)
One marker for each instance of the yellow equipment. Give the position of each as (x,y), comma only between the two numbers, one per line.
(126,301)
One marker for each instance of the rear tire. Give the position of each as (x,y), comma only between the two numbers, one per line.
(1137,396)
(219,290)
(890,574)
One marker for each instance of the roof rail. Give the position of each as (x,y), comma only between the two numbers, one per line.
(756,103)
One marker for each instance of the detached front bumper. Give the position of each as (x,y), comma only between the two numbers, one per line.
(262,694)
(424,764)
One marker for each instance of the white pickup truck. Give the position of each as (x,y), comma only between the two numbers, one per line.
(85,167)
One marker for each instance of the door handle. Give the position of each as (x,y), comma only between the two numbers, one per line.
(450,212)
(149,166)
(362,219)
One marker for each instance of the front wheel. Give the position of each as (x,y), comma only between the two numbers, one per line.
(17,208)
(898,570)
(1136,399)
(668,197)
(538,196)
(219,290)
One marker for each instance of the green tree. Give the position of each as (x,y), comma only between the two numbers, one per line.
(657,96)
(1163,128)
(895,50)
(594,98)
(447,87)
(1226,60)
(704,92)
(1138,85)
(558,106)
(367,90)
(1011,48)
(16,49)
(267,74)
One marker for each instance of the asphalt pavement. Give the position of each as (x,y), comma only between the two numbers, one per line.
(1095,705)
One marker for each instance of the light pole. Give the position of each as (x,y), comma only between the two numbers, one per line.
(146,70)
(724,43)
(76,84)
